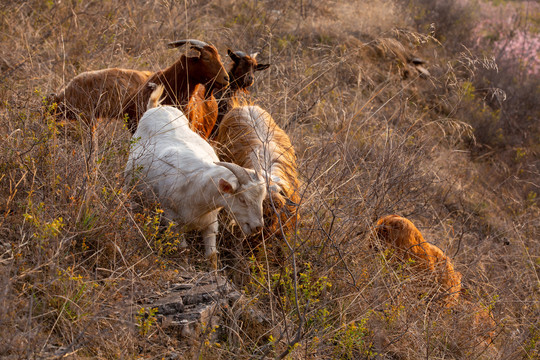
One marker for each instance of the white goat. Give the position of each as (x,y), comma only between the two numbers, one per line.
(175,164)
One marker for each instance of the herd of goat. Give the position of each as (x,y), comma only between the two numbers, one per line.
(174,116)
(181,118)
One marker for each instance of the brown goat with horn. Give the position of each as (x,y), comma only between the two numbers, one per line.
(110,93)
(180,81)
(249,137)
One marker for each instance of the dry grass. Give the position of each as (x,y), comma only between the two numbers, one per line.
(372,138)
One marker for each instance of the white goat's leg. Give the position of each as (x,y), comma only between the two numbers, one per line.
(209,236)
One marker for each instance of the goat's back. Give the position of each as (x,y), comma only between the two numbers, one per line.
(100,93)
(404,236)
(250,128)
(166,129)
(247,130)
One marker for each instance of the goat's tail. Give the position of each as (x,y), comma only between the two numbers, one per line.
(155,97)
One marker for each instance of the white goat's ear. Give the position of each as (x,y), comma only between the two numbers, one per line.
(225,186)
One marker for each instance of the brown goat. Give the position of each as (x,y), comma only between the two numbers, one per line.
(249,137)
(241,77)
(96,94)
(180,80)
(204,112)
(401,234)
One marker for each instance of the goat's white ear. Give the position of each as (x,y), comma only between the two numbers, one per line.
(225,186)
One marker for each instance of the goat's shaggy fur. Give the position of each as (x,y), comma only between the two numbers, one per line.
(248,134)
(202,111)
(401,234)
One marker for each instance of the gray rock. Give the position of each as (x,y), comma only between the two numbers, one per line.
(194,306)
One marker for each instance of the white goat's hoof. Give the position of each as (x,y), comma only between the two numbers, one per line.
(212,260)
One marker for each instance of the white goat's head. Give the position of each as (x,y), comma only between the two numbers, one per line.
(244,198)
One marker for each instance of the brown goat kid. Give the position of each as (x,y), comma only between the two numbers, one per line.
(204,111)
(249,137)
(241,77)
(180,81)
(401,234)
(99,94)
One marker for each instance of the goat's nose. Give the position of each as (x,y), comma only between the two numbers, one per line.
(258,229)
(226,78)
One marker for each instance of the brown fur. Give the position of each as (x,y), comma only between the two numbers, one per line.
(401,234)
(180,81)
(96,94)
(243,133)
(202,112)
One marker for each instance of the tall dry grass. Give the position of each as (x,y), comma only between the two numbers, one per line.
(372,137)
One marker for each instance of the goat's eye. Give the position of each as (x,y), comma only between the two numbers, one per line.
(242,201)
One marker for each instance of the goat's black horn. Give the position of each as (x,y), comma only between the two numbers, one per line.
(193,42)
(240,54)
(417,61)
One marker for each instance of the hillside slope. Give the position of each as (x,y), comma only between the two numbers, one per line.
(374,135)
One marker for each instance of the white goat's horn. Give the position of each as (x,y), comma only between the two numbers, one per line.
(238,171)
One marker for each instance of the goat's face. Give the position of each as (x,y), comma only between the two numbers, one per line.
(243,69)
(210,68)
(245,203)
